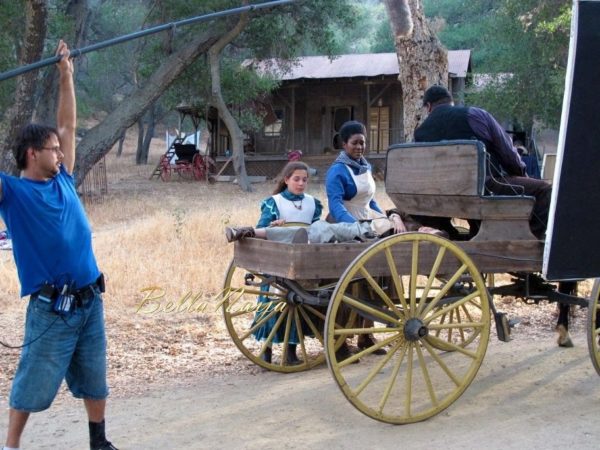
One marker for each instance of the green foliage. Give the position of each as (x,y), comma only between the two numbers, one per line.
(523,44)
(109,74)
(302,28)
(464,24)
(12,18)
(383,38)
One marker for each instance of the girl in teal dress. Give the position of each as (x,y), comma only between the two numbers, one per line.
(289,203)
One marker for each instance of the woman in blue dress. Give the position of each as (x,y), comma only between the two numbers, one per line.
(351,195)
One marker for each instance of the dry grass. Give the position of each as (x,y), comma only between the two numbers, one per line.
(169,236)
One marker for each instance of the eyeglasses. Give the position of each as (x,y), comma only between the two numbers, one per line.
(53,149)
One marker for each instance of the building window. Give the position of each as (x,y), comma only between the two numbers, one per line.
(275,128)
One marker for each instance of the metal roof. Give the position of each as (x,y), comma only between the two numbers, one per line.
(459,62)
(355,65)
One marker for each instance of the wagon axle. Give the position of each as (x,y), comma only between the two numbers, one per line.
(415,329)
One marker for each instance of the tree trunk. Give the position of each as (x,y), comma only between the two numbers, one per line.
(98,141)
(422,59)
(19,114)
(237,136)
(121,144)
(145,135)
(79,12)
(140,140)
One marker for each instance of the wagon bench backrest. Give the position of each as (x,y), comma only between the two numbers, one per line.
(447,179)
(185,152)
(438,168)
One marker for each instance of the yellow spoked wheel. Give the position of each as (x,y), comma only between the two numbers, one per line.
(593,325)
(435,334)
(453,334)
(261,320)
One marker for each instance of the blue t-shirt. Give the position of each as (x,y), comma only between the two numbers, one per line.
(51,236)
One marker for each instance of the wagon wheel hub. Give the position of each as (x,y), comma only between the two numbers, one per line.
(415,330)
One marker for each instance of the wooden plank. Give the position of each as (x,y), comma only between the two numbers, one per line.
(467,207)
(435,169)
(319,261)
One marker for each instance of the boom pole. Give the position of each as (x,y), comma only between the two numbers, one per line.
(138,34)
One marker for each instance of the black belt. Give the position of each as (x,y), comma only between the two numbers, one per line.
(82,295)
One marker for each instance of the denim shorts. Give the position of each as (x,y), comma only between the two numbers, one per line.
(71,347)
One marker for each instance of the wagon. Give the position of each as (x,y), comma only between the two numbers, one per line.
(190,164)
(430,299)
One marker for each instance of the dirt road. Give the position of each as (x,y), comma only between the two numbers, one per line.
(527,395)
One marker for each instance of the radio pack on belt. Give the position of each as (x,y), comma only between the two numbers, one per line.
(67,298)
(47,293)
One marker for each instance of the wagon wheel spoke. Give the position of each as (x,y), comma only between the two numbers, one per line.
(263,325)
(380,292)
(398,286)
(377,367)
(301,335)
(436,334)
(432,276)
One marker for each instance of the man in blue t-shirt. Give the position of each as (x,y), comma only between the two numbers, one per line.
(52,247)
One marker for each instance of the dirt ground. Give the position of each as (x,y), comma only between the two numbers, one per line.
(528,394)
(179,382)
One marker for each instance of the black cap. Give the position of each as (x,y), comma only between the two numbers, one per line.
(436,93)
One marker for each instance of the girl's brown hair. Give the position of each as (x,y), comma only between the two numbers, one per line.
(287,172)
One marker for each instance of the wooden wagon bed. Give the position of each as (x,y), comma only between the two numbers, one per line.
(317,261)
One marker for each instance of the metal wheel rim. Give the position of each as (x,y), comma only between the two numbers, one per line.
(593,327)
(420,353)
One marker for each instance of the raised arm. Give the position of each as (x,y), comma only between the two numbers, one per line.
(66,114)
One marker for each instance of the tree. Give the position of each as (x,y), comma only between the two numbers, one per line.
(520,45)
(534,37)
(464,25)
(421,58)
(99,140)
(69,21)
(237,136)
(281,32)
(22,108)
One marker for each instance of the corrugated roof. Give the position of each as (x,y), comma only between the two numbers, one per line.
(458,62)
(356,65)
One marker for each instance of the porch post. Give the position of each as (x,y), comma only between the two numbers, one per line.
(368,121)
(293,118)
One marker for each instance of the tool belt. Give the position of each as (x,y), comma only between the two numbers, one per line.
(79,297)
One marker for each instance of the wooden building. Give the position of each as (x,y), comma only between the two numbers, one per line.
(317,95)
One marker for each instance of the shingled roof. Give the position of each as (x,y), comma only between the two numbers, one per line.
(356,65)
